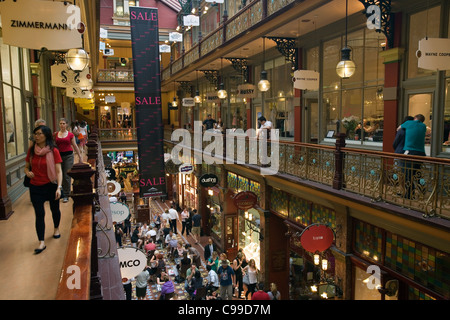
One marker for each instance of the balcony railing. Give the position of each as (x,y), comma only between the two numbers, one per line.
(113,75)
(418,183)
(126,134)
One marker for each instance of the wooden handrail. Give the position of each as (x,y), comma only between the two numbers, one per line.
(76,271)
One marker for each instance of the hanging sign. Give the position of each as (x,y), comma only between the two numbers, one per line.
(110,99)
(212,97)
(208,180)
(103,33)
(164,48)
(147,83)
(36,24)
(188,102)
(132,261)
(247,91)
(113,187)
(119,211)
(245,200)
(191,20)
(434,54)
(317,237)
(80,93)
(64,77)
(306,80)
(175,36)
(186,168)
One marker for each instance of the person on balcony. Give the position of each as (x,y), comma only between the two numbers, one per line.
(43,167)
(66,143)
(399,141)
(209,122)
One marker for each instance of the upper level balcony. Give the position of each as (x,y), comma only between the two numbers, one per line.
(115,76)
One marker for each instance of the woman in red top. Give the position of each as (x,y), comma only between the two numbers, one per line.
(45,181)
(66,143)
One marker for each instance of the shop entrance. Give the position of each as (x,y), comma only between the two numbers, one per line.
(311,123)
(231,236)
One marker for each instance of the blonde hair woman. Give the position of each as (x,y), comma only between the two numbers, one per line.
(253,273)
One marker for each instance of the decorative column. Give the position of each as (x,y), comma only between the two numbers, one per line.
(339,162)
(5,202)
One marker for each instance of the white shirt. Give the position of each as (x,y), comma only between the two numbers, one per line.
(165,217)
(151,233)
(213,278)
(184,215)
(173,214)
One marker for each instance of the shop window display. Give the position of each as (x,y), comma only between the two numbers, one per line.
(249,228)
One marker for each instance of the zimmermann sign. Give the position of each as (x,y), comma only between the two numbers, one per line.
(36,24)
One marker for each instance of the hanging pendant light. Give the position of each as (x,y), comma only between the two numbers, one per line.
(174,103)
(197,98)
(222,93)
(264,84)
(346,67)
(77,59)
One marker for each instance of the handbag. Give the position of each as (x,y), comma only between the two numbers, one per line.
(245,279)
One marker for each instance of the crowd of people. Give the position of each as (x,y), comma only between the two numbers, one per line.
(49,157)
(175,257)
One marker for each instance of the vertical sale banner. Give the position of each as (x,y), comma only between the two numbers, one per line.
(147,84)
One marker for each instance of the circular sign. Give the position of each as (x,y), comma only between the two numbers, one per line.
(245,200)
(81,27)
(132,261)
(119,211)
(208,180)
(113,187)
(317,238)
(171,167)
(186,168)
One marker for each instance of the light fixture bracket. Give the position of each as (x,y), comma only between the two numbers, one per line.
(240,65)
(386,19)
(212,76)
(288,48)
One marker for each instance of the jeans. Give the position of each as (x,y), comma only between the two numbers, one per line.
(412,174)
(39,195)
(66,165)
(226,292)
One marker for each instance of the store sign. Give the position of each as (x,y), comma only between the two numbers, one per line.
(306,80)
(191,20)
(434,54)
(108,52)
(245,200)
(80,93)
(209,180)
(188,102)
(132,261)
(175,36)
(110,99)
(103,33)
(317,238)
(247,91)
(35,24)
(164,48)
(186,168)
(212,97)
(147,83)
(119,211)
(113,187)
(63,77)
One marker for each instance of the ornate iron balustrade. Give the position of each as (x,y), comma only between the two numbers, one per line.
(129,134)
(418,183)
(112,75)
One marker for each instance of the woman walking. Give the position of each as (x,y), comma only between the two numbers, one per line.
(252,277)
(66,143)
(43,167)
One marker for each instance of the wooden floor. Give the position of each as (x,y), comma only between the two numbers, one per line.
(24,275)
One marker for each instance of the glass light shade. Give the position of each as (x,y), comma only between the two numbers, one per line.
(210,192)
(222,93)
(316,259)
(346,67)
(77,59)
(197,98)
(324,264)
(263,84)
(174,103)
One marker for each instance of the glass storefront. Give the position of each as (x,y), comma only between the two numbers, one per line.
(249,234)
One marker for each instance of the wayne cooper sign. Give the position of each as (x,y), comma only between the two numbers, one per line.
(434,54)
(36,24)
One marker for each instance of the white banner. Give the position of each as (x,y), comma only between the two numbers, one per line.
(188,102)
(64,77)
(306,80)
(119,211)
(132,261)
(434,54)
(164,48)
(246,91)
(36,24)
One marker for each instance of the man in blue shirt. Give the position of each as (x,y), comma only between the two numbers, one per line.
(226,280)
(415,136)
(415,131)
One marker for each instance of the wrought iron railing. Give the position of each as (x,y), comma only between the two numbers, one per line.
(418,183)
(125,134)
(113,75)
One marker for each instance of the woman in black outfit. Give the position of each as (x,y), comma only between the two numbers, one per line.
(237,262)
